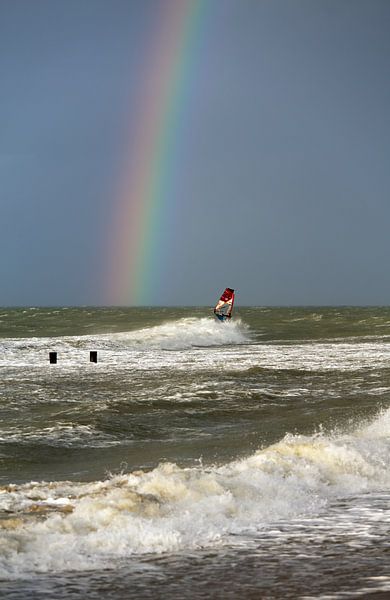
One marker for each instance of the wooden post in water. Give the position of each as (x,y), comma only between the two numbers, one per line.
(93,356)
(53,358)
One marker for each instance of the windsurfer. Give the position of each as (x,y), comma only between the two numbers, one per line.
(224,306)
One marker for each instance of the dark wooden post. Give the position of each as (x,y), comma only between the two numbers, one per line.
(53,358)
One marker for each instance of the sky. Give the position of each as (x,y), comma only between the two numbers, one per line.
(278,166)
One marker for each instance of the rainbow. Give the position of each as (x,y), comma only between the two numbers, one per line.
(146,196)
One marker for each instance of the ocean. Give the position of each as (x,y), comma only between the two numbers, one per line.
(195,459)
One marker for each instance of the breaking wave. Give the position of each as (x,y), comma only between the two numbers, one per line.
(88,525)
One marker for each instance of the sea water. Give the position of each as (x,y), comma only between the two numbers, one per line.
(195,459)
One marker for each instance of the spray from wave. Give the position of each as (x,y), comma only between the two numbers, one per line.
(186,333)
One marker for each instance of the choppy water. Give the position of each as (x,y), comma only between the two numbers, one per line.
(195,459)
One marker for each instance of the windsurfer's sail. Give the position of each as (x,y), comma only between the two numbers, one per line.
(224,307)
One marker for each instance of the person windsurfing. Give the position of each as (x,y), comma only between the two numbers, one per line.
(224,307)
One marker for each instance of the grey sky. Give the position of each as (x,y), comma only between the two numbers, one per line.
(284,172)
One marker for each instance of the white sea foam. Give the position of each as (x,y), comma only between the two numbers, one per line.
(60,435)
(86,525)
(199,341)
(180,335)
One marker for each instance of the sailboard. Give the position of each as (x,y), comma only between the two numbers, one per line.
(224,307)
